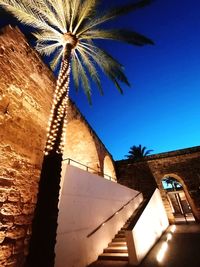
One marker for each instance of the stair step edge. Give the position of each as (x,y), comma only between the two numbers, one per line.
(116,244)
(120,241)
(114,250)
(114,256)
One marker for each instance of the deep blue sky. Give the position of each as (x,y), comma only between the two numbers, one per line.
(161,109)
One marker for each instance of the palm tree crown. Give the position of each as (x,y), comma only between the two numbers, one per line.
(75,22)
(68,29)
(138,152)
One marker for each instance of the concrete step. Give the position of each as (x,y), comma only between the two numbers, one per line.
(114,256)
(117,244)
(119,239)
(115,249)
(120,235)
(125,226)
(121,231)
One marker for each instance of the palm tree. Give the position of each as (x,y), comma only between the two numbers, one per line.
(68,30)
(173,183)
(138,152)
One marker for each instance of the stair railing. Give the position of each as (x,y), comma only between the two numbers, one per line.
(89,169)
(110,217)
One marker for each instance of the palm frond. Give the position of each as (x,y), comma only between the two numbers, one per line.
(84,79)
(67,12)
(115,12)
(148,152)
(142,149)
(25,14)
(123,10)
(91,69)
(46,49)
(86,8)
(110,66)
(57,58)
(75,71)
(138,152)
(122,35)
(59,11)
(48,36)
(75,9)
(44,9)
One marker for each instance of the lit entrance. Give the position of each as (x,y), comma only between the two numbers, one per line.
(176,196)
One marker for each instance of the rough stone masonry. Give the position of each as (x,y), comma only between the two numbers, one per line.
(26,87)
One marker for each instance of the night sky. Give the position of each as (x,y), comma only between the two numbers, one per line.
(161,108)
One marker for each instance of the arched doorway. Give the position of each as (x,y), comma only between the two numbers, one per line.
(178,198)
(108,169)
(80,147)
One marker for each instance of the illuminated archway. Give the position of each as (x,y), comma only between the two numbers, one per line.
(180,202)
(108,168)
(80,146)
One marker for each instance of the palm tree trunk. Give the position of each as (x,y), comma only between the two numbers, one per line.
(42,243)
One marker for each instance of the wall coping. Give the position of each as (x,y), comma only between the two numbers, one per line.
(162,155)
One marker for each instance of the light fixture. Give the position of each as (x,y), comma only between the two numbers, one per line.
(162,252)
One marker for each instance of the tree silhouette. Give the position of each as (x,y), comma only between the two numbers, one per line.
(138,152)
(173,182)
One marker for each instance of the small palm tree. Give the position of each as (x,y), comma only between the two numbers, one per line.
(172,182)
(68,30)
(138,152)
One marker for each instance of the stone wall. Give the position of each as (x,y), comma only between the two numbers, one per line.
(26,87)
(136,175)
(84,146)
(184,165)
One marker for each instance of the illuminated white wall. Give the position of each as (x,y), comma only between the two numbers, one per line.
(86,201)
(147,230)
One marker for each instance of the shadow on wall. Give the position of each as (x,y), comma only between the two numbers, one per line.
(136,175)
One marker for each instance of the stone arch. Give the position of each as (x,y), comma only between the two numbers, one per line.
(108,168)
(80,146)
(186,192)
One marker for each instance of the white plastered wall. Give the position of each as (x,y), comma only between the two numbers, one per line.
(147,230)
(86,201)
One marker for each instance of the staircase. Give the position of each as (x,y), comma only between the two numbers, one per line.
(117,249)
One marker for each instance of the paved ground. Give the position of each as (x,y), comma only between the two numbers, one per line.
(183,250)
